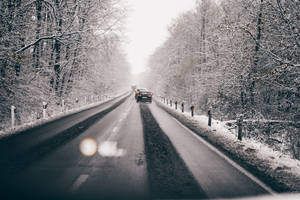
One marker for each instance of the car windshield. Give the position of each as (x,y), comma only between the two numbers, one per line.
(149,99)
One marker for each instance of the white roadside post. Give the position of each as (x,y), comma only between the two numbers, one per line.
(63,105)
(12,110)
(85,100)
(76,102)
(44,109)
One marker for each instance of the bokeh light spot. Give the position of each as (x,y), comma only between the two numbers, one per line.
(88,147)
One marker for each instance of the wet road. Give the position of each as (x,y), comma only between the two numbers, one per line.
(119,150)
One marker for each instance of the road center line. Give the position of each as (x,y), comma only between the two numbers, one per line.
(115,129)
(79,181)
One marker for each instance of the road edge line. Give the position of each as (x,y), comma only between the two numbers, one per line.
(230,161)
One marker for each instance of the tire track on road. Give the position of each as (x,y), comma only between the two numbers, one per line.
(167,173)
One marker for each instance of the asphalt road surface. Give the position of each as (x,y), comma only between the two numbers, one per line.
(119,150)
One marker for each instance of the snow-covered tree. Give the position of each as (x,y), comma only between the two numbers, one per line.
(45,50)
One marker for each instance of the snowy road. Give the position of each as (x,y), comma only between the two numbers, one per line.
(138,152)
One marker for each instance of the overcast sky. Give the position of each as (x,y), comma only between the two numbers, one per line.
(147,25)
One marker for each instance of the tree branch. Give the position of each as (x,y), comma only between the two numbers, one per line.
(287,21)
(35,42)
(274,56)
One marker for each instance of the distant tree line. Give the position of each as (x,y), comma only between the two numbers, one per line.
(58,49)
(234,57)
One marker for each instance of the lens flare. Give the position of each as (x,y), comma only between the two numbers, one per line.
(88,147)
(110,149)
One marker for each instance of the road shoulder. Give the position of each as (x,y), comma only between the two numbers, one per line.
(278,179)
(218,175)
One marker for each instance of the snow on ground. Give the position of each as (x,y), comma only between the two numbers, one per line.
(60,115)
(278,170)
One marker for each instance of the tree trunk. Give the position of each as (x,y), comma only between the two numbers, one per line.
(36,48)
(63,81)
(203,36)
(253,71)
(57,70)
(21,41)
(57,47)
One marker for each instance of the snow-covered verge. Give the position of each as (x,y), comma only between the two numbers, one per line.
(277,169)
(60,115)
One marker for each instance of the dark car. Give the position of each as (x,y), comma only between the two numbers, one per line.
(137,91)
(143,95)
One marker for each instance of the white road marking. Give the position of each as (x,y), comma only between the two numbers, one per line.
(234,164)
(115,129)
(114,132)
(108,147)
(79,181)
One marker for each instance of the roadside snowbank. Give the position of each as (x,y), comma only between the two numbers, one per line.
(278,170)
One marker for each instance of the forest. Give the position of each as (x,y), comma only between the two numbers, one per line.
(235,58)
(58,50)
